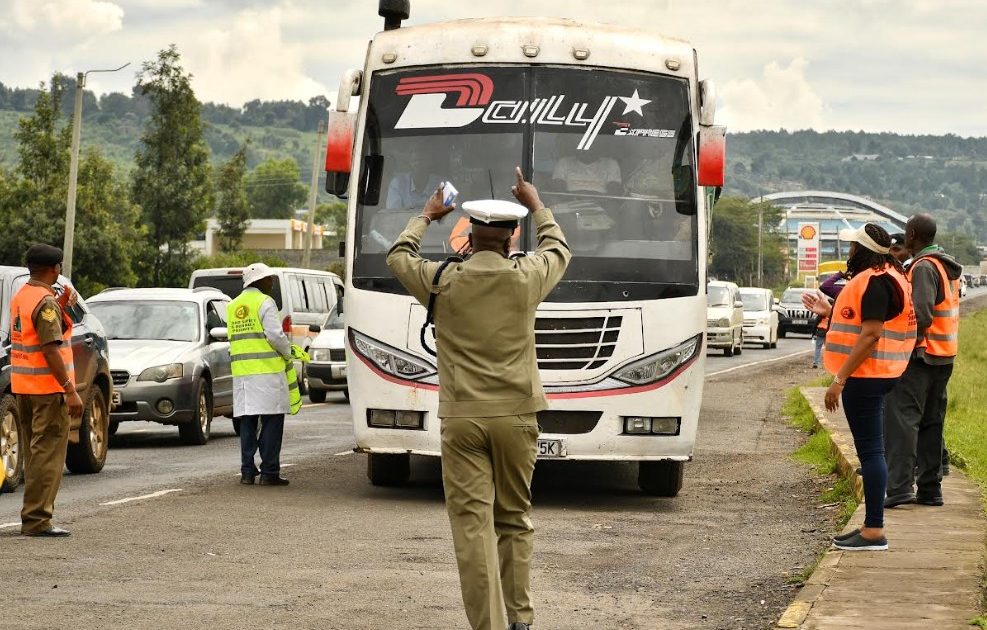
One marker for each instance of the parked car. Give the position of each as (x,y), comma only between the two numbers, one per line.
(963,288)
(969,280)
(760,317)
(793,317)
(983,280)
(724,318)
(327,370)
(305,298)
(169,357)
(89,435)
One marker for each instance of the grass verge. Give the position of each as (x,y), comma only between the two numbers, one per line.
(817,453)
(968,399)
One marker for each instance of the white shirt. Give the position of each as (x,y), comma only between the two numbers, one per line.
(264,394)
(591,177)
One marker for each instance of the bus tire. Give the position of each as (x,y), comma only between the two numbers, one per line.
(660,479)
(386,469)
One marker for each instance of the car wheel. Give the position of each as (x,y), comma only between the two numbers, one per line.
(740,346)
(303,380)
(317,395)
(89,455)
(781,333)
(385,469)
(728,351)
(113,427)
(11,460)
(197,431)
(660,479)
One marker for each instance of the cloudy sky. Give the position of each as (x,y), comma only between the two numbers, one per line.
(910,66)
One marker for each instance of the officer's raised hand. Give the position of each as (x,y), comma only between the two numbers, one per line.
(434,208)
(526,193)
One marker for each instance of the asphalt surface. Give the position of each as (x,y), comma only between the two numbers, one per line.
(331,551)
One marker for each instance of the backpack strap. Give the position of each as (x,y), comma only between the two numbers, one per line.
(430,314)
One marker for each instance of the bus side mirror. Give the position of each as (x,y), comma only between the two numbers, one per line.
(339,152)
(712,155)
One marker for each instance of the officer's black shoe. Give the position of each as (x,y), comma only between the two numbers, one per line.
(929,499)
(517,625)
(273,480)
(51,532)
(899,499)
(945,469)
(247,480)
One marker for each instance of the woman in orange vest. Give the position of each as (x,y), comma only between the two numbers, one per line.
(870,339)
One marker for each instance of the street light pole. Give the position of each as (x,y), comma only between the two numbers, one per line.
(67,245)
(760,254)
(313,189)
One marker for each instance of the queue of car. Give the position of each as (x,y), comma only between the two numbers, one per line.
(752,315)
(162,355)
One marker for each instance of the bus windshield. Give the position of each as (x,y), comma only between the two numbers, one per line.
(611,153)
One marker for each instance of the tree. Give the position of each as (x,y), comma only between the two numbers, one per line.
(171,181)
(961,246)
(232,210)
(32,202)
(733,241)
(333,215)
(274,189)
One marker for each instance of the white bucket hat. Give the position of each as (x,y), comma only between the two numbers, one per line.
(257,271)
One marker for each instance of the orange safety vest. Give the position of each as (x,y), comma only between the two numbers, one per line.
(942,336)
(890,356)
(29,371)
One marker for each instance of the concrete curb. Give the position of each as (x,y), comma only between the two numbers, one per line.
(846,465)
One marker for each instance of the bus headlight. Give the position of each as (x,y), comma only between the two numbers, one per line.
(388,359)
(658,366)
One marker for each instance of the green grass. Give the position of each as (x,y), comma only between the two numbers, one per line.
(965,436)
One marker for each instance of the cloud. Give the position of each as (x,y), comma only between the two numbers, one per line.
(248,58)
(69,22)
(783,98)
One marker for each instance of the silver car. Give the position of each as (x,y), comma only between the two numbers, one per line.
(169,357)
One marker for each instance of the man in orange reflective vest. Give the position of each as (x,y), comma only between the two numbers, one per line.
(42,379)
(915,410)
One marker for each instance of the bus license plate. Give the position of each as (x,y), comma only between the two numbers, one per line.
(551,448)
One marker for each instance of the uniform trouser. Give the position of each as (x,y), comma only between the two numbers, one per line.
(487,465)
(915,412)
(268,443)
(45,438)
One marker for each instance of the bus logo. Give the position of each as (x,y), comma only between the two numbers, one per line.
(474,103)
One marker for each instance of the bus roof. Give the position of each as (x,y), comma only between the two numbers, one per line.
(556,40)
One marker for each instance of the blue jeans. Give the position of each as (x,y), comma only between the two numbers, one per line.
(863,403)
(820,340)
(269,444)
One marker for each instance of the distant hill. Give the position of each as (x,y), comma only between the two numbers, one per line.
(944,175)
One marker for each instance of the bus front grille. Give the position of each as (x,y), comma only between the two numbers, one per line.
(576,343)
(568,422)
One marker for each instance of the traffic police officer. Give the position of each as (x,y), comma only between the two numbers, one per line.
(261,393)
(489,392)
(43,381)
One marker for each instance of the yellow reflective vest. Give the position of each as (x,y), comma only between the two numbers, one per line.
(250,352)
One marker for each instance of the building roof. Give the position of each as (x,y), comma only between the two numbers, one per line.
(823,199)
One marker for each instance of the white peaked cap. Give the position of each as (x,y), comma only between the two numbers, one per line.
(494,211)
(257,271)
(860,235)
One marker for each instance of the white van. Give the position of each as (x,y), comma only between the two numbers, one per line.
(760,317)
(305,298)
(724,318)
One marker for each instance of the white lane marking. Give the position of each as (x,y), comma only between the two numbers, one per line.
(159,493)
(9,525)
(286,465)
(342,453)
(762,362)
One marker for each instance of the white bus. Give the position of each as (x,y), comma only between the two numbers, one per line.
(615,129)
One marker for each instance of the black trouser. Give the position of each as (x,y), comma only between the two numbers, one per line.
(914,414)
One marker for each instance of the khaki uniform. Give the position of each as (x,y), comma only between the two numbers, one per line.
(44,432)
(489,393)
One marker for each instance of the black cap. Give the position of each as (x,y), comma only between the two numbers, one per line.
(507,225)
(897,239)
(42,255)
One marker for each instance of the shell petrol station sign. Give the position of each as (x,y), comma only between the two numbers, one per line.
(808,248)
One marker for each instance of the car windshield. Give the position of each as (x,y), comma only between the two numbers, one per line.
(717,296)
(149,319)
(611,153)
(232,285)
(754,301)
(335,322)
(792,296)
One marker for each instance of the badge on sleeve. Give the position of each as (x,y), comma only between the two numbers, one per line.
(49,314)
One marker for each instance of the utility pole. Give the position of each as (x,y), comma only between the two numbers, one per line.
(69,242)
(312,192)
(760,254)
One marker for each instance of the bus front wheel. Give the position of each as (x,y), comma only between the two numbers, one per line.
(385,469)
(660,479)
